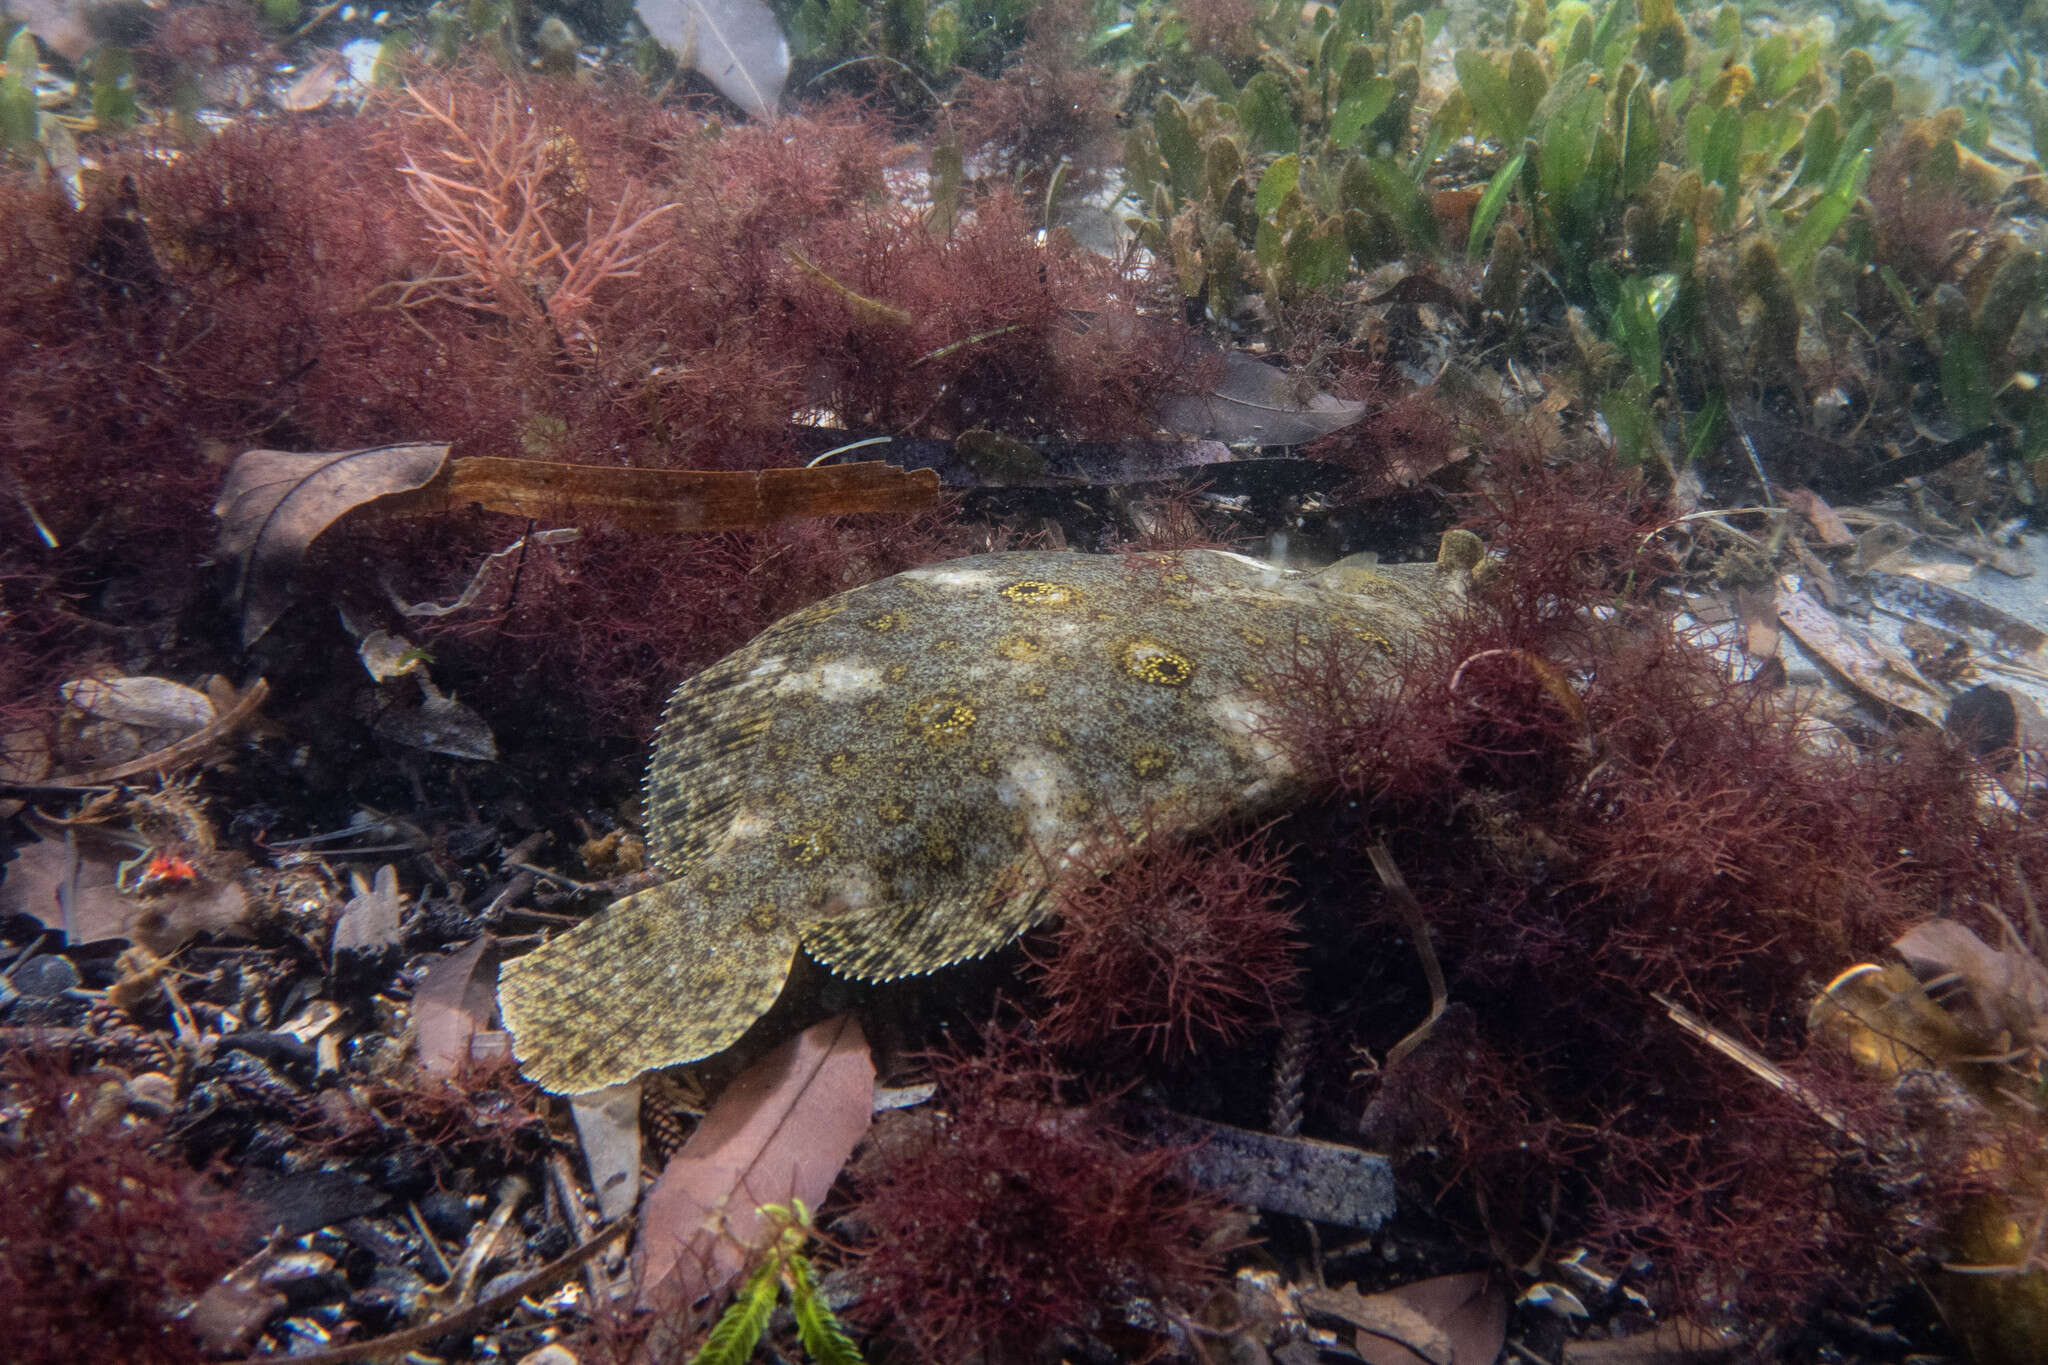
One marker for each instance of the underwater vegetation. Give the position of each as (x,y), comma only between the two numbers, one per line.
(1582,259)
(1723,211)
(106,1231)
(488,300)
(1595,821)
(1203,948)
(1010,1217)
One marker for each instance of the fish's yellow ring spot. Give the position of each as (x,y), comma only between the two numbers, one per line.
(942,718)
(806,844)
(1037,592)
(1149,762)
(1375,639)
(1151,662)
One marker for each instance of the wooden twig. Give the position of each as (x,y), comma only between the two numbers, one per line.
(171,757)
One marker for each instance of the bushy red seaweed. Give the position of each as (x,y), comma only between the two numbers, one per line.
(1049,107)
(1925,212)
(544,269)
(1597,820)
(1006,1217)
(104,1240)
(1192,934)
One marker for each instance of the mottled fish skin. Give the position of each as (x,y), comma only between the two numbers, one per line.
(893,777)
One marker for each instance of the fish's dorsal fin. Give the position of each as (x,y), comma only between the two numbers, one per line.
(704,751)
(892,941)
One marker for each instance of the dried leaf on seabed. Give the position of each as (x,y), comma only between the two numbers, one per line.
(1678,1342)
(70,887)
(65,26)
(438,725)
(1826,522)
(734,44)
(1448,1320)
(1872,670)
(452,1004)
(1329,1182)
(231,714)
(316,84)
(152,703)
(780,1132)
(975,461)
(1988,629)
(1253,403)
(608,1126)
(274,503)
(1236,397)
(1257,404)
(2008,988)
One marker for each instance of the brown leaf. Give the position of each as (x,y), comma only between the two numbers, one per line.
(65,26)
(1306,1177)
(1826,522)
(1448,1320)
(1757,609)
(737,45)
(275,503)
(780,1132)
(233,1310)
(1870,666)
(453,1003)
(666,500)
(70,887)
(1236,398)
(2008,989)
(316,84)
(225,725)
(1253,403)
(608,1127)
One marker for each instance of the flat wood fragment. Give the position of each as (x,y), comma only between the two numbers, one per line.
(663,500)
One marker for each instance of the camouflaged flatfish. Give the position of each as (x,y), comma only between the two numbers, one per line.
(891,779)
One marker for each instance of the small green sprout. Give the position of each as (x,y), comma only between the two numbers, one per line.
(740,1329)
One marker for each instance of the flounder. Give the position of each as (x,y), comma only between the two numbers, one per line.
(891,780)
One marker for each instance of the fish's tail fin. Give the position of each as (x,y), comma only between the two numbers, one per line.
(664,976)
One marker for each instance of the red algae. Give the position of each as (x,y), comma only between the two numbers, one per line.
(535,268)
(1049,108)
(1006,1217)
(102,1235)
(1597,820)
(1191,932)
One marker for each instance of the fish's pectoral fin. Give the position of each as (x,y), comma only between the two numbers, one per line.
(663,976)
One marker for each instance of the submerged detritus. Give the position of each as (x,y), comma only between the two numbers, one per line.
(891,779)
